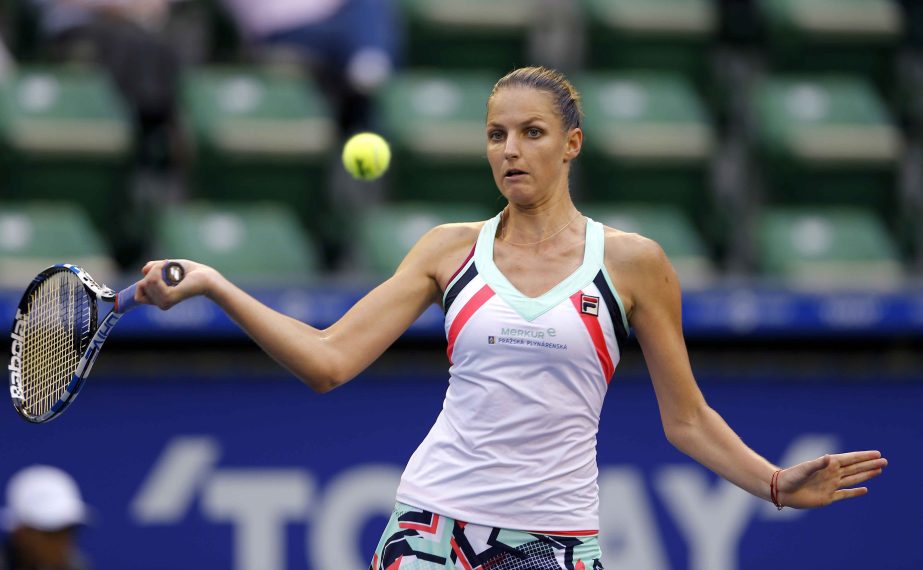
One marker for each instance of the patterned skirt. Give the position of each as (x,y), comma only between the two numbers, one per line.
(420,540)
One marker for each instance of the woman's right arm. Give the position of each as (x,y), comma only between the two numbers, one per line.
(322,359)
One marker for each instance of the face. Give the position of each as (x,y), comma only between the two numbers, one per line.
(527,147)
(46,549)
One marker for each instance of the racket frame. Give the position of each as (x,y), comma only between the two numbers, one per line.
(100,332)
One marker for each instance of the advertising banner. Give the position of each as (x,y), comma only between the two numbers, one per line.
(263,474)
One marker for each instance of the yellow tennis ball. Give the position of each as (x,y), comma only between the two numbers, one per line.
(366,156)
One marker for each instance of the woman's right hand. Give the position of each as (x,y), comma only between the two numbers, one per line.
(199,280)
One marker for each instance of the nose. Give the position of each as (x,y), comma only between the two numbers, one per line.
(511,150)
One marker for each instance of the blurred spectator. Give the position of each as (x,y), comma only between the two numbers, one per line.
(351,45)
(6,61)
(44,510)
(126,38)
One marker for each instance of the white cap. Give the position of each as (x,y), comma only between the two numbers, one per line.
(44,498)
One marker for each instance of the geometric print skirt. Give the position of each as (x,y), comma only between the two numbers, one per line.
(420,540)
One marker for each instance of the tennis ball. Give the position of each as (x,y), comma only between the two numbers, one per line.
(366,156)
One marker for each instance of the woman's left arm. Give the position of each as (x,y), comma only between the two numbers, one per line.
(699,431)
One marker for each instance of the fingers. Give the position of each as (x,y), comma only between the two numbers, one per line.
(151,289)
(849,493)
(857,457)
(870,465)
(859,478)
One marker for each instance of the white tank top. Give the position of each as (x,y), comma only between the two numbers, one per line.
(515,443)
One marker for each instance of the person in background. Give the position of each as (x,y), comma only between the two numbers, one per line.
(351,46)
(128,40)
(43,513)
(6,61)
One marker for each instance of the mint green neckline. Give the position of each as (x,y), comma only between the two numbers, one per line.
(530,308)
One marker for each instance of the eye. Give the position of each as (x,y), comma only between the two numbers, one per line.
(534,132)
(495,136)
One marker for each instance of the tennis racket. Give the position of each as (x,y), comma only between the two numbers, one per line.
(57,336)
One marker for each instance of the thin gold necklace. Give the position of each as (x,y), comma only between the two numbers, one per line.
(544,239)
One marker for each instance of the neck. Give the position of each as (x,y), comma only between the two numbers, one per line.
(524,227)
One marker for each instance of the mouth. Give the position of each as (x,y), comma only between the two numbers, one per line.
(514,173)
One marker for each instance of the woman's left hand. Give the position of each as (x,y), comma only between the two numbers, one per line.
(828,479)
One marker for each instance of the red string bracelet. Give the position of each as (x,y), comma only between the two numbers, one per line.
(774,490)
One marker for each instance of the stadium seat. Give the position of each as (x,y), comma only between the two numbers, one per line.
(259,243)
(36,235)
(669,227)
(260,134)
(435,122)
(826,140)
(648,140)
(488,35)
(387,232)
(671,35)
(64,135)
(853,36)
(827,247)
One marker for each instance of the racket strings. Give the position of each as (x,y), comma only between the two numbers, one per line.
(58,331)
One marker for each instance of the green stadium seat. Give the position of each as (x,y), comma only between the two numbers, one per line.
(260,134)
(669,227)
(826,140)
(475,34)
(36,235)
(853,36)
(64,135)
(827,247)
(436,125)
(648,140)
(387,232)
(258,243)
(671,35)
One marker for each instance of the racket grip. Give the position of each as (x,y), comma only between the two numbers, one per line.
(125,299)
(172,273)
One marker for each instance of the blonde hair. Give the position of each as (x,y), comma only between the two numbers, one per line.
(566,98)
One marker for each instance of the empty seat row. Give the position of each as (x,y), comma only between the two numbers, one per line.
(263,243)
(266,134)
(259,243)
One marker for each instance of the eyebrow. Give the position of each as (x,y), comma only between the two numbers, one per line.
(530,120)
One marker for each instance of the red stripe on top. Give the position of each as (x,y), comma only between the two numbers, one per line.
(464,314)
(429,529)
(460,267)
(596,333)
(566,532)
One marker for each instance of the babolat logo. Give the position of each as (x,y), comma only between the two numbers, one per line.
(15,367)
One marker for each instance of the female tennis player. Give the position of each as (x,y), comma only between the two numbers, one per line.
(538,301)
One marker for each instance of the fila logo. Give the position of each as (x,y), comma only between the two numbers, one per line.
(589,305)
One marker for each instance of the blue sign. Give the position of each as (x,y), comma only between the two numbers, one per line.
(748,312)
(263,474)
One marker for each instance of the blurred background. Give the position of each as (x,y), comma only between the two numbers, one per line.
(774,148)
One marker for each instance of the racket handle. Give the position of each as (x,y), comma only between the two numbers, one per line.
(125,299)
(172,274)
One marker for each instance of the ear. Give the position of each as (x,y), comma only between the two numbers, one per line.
(573,144)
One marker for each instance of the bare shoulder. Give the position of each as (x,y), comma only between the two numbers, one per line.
(445,247)
(626,250)
(636,264)
(446,239)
